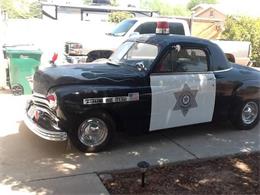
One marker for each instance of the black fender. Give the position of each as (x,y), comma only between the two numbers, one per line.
(72,111)
(249,90)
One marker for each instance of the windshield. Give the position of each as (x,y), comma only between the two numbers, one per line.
(122,28)
(134,53)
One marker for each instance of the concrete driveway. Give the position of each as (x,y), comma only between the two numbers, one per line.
(29,164)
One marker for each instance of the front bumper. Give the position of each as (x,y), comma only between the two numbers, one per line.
(52,135)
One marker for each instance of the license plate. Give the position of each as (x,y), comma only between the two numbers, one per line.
(31,112)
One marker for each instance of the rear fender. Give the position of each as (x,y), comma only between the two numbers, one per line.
(250,90)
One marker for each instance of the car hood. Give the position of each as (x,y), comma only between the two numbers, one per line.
(85,74)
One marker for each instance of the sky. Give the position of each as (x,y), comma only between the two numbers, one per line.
(244,7)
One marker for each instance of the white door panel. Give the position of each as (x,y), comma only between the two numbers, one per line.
(183,99)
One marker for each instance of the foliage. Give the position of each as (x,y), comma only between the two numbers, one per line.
(117,17)
(114,2)
(193,3)
(23,9)
(87,2)
(164,8)
(244,29)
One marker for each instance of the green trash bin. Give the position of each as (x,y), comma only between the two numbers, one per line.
(23,62)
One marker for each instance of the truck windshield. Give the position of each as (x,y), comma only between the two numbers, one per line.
(134,53)
(122,28)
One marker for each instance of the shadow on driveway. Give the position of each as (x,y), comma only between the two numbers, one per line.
(25,158)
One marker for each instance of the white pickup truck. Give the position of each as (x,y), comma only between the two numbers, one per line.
(103,47)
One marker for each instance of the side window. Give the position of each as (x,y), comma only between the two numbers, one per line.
(184,59)
(147,28)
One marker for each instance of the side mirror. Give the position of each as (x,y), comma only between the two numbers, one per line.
(140,66)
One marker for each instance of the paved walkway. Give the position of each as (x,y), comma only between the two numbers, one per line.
(29,164)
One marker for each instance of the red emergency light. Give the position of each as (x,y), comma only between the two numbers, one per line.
(162,27)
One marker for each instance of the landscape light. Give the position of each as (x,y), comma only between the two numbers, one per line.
(143,166)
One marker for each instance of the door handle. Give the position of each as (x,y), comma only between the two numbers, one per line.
(211,79)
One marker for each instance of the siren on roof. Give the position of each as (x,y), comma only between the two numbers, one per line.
(163,28)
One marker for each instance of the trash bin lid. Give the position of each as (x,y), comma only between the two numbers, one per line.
(23,49)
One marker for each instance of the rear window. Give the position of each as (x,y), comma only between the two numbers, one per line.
(177,28)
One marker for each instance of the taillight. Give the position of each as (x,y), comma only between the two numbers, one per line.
(52,99)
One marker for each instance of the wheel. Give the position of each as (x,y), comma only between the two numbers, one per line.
(246,116)
(17,90)
(94,133)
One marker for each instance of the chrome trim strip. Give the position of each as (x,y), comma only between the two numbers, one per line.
(44,133)
(223,70)
(41,100)
(105,100)
(39,95)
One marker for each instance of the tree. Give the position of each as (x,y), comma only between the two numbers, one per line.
(117,17)
(107,2)
(165,8)
(87,2)
(193,3)
(114,2)
(23,9)
(244,29)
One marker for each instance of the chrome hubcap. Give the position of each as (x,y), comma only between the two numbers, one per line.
(249,113)
(93,132)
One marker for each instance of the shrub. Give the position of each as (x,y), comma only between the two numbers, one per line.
(117,17)
(244,29)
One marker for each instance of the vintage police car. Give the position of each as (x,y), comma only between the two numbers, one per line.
(151,82)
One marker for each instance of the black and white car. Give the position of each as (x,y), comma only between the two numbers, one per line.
(151,82)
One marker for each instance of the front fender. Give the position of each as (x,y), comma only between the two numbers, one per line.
(72,109)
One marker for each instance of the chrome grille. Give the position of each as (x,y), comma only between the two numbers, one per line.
(42,104)
(40,100)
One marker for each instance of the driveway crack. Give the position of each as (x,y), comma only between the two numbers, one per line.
(59,177)
(179,145)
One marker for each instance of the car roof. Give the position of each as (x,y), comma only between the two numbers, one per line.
(218,60)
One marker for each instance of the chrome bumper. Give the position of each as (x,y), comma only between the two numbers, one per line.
(44,133)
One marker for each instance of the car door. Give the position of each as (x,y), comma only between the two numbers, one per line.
(183,89)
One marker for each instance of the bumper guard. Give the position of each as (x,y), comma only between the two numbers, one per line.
(44,133)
